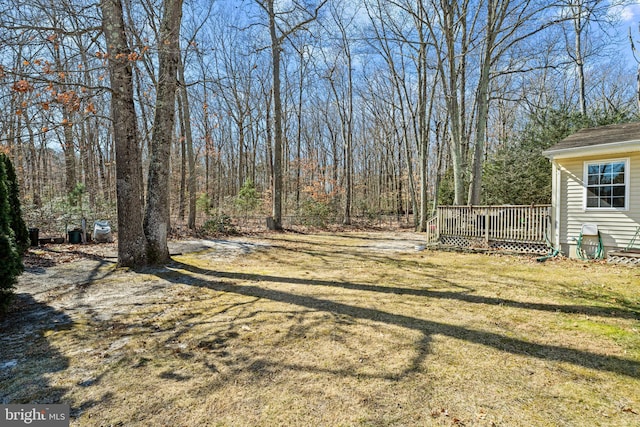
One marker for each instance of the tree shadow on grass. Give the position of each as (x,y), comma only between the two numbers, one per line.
(463,296)
(26,356)
(500,342)
(623,308)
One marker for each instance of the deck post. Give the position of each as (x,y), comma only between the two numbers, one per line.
(486,226)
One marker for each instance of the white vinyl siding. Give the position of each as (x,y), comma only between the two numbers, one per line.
(617,226)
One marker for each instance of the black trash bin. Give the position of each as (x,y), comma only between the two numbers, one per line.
(34,235)
(75,236)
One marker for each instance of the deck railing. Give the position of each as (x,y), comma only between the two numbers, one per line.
(432,230)
(478,224)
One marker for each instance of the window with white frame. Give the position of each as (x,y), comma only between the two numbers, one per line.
(607,184)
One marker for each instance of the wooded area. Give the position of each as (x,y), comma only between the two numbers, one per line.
(316,108)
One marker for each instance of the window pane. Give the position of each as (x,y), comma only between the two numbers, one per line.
(617,167)
(593,170)
(606,191)
(618,191)
(593,180)
(593,191)
(618,178)
(607,178)
(593,202)
(618,202)
(605,202)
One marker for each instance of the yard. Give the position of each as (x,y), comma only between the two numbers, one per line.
(328,329)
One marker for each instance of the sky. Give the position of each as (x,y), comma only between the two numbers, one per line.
(629,19)
(630,14)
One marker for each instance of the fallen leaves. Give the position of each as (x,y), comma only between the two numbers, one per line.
(49,255)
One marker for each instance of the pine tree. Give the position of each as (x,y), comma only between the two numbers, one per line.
(10,259)
(17,224)
(504,181)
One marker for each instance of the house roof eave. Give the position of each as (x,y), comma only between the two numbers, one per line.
(593,150)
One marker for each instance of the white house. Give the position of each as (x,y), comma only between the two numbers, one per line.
(596,189)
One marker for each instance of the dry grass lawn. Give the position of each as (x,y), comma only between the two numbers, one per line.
(336,330)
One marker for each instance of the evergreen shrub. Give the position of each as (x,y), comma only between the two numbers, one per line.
(17,224)
(10,256)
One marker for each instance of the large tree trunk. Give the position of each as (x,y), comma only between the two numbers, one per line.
(453,84)
(157,214)
(277,120)
(129,187)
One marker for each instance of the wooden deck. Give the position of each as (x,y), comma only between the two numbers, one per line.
(524,229)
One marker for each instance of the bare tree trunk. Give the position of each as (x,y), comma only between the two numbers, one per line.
(269,134)
(131,239)
(453,82)
(191,158)
(69,152)
(157,214)
(638,87)
(68,146)
(578,26)
(183,162)
(277,119)
(348,136)
(425,129)
(299,128)
(241,154)
(277,35)
(344,103)
(482,99)
(34,171)
(439,155)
